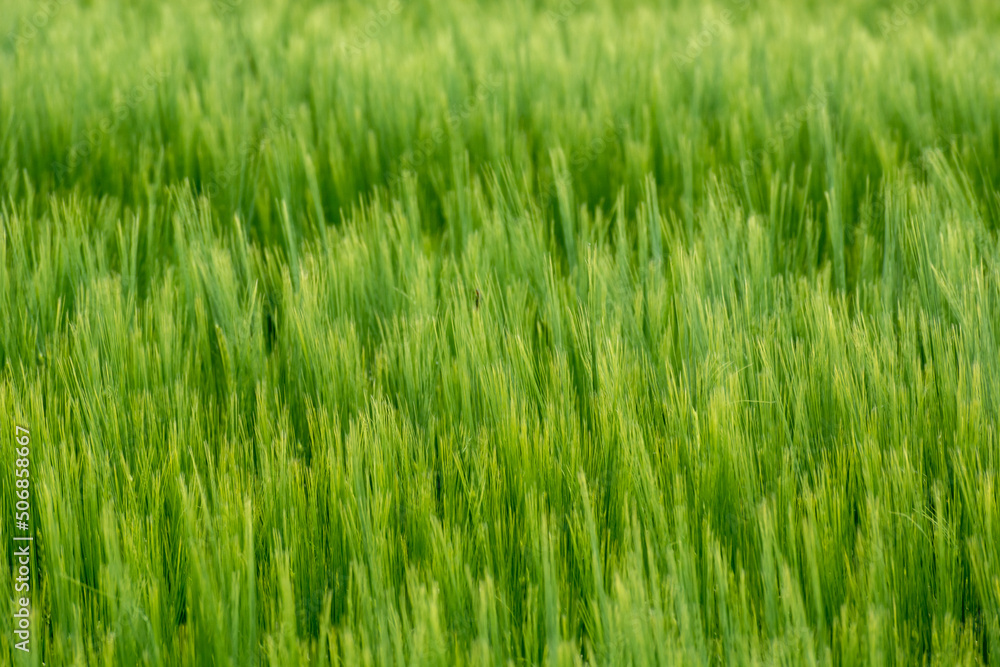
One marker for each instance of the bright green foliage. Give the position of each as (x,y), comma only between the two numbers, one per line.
(503,333)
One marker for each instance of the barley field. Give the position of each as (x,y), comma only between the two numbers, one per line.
(582,332)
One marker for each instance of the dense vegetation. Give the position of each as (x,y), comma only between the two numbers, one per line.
(445,332)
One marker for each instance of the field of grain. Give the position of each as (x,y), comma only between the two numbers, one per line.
(582,332)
